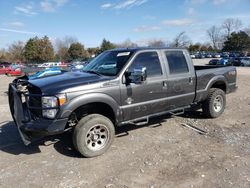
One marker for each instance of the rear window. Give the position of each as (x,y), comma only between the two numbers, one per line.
(177,62)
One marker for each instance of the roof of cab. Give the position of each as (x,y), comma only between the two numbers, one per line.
(145,48)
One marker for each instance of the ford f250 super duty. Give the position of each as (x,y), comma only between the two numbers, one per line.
(118,87)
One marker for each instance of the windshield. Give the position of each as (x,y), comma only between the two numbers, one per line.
(108,63)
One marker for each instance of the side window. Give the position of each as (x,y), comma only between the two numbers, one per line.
(177,62)
(150,60)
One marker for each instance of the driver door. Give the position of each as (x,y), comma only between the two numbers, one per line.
(139,100)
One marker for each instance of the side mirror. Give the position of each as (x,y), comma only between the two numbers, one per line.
(138,76)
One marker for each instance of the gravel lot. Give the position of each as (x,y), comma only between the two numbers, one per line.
(161,154)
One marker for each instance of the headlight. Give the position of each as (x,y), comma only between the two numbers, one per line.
(52,102)
(49,102)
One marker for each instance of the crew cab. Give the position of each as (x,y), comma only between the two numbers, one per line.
(141,83)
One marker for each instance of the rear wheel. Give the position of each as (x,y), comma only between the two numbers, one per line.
(93,135)
(215,103)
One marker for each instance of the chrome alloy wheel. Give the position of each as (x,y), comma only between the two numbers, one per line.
(218,103)
(97,137)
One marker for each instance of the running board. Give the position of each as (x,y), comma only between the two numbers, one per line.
(144,120)
(140,122)
(177,113)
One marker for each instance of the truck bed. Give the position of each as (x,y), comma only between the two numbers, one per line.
(202,67)
(205,75)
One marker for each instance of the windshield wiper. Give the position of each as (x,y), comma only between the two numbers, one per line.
(93,72)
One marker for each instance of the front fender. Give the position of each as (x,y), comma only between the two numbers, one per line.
(90,98)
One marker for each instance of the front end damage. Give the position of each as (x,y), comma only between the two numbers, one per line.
(26,110)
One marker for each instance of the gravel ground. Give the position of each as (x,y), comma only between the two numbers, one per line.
(161,154)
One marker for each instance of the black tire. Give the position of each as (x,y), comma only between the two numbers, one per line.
(93,135)
(211,107)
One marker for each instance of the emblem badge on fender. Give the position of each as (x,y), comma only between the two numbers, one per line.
(129,100)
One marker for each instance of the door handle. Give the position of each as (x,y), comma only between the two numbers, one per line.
(190,80)
(165,84)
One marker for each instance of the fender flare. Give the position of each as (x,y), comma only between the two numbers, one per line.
(90,98)
(215,79)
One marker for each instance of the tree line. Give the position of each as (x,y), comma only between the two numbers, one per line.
(227,37)
(39,50)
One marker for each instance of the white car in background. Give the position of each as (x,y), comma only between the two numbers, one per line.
(245,62)
(192,56)
(44,65)
(217,56)
(50,64)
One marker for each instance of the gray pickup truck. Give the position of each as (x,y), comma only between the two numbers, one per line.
(118,87)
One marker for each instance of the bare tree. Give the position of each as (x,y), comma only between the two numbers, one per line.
(247,30)
(157,43)
(181,40)
(62,46)
(2,54)
(65,42)
(127,44)
(16,51)
(230,25)
(214,34)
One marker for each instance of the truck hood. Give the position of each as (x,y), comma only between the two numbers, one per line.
(57,83)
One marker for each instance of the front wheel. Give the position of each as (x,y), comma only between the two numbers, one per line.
(215,103)
(93,135)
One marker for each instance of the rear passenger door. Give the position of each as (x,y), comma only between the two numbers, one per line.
(181,79)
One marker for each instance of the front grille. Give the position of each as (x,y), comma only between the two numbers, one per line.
(34,100)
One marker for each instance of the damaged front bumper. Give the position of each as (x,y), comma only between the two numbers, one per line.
(31,128)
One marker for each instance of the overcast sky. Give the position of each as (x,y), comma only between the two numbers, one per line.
(116,20)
